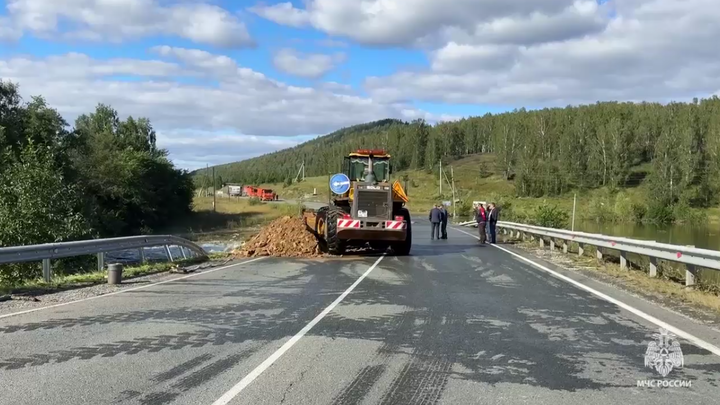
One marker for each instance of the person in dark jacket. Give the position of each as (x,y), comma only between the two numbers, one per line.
(435,218)
(492,221)
(444,222)
(487,224)
(481,218)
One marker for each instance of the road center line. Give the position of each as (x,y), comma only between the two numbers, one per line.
(234,391)
(679,332)
(27,311)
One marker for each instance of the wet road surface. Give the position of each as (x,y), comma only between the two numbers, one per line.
(454,323)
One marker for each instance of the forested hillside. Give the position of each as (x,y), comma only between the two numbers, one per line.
(320,155)
(673,148)
(104,177)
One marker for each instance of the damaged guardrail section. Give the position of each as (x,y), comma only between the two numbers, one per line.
(49,251)
(690,256)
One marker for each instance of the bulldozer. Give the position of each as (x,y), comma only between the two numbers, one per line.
(371,212)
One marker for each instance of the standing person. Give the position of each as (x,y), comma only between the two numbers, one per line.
(435,218)
(492,221)
(444,222)
(487,224)
(481,218)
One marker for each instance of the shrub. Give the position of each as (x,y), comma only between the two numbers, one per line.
(660,213)
(639,211)
(550,216)
(483,170)
(600,210)
(682,212)
(465,208)
(254,201)
(623,208)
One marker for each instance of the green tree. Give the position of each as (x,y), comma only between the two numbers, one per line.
(36,206)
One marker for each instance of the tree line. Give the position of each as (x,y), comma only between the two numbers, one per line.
(104,177)
(673,148)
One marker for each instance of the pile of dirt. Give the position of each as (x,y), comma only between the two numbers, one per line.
(284,237)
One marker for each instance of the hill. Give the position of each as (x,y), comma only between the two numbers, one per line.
(318,154)
(668,155)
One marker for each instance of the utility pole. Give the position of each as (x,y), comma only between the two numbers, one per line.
(300,170)
(452,176)
(440,177)
(214,191)
(573,217)
(207,177)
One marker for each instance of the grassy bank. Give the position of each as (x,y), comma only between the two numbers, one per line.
(59,283)
(667,288)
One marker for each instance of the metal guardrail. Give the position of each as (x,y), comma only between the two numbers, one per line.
(49,251)
(690,256)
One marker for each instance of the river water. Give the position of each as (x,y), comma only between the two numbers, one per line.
(702,236)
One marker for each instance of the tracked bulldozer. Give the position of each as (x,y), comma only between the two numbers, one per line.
(371,212)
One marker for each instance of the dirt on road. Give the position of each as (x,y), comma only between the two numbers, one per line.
(283,237)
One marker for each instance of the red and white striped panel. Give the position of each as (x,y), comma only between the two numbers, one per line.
(348,223)
(395,225)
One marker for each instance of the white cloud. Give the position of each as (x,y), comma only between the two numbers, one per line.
(311,66)
(403,22)
(8,30)
(651,50)
(195,95)
(338,88)
(199,59)
(530,53)
(282,13)
(117,20)
(196,149)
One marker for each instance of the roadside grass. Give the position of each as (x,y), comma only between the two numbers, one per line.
(231,215)
(69,282)
(668,286)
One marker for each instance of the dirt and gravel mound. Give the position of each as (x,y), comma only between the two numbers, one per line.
(283,237)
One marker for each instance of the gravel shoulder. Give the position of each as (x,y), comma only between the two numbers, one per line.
(679,299)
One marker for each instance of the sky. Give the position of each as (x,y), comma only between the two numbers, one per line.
(225,80)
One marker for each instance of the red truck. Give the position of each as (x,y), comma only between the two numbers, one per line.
(267,194)
(250,191)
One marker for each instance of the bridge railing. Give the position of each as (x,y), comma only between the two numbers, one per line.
(690,256)
(49,251)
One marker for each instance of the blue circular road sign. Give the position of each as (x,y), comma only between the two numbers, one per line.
(339,183)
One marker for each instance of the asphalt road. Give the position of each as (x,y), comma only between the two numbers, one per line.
(454,323)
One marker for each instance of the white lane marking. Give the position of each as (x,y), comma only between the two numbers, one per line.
(27,311)
(679,332)
(234,391)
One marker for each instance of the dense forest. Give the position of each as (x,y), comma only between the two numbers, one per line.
(544,152)
(105,177)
